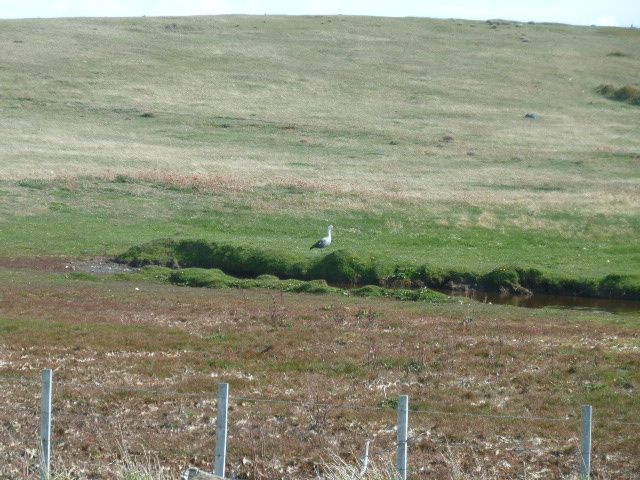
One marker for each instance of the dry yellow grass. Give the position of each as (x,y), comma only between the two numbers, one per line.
(351,105)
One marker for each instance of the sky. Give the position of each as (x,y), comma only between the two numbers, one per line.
(622,13)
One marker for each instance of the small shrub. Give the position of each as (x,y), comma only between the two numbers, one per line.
(617,53)
(606,89)
(627,93)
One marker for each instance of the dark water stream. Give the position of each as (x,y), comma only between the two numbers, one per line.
(553,301)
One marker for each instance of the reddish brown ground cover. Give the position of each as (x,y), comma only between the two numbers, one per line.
(137,367)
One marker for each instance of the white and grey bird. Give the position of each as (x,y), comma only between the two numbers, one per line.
(324,241)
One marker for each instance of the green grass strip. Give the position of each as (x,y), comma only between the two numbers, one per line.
(344,269)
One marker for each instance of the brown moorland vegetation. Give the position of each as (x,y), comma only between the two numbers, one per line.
(137,365)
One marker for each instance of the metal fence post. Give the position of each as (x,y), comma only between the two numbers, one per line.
(221,429)
(45,423)
(585,444)
(365,460)
(403,436)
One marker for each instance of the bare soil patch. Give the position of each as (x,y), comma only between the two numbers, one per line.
(95,265)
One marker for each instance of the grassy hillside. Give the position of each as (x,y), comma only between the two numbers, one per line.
(407,134)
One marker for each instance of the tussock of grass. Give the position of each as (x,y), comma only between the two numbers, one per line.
(209,264)
(147,467)
(459,467)
(127,467)
(338,469)
(628,93)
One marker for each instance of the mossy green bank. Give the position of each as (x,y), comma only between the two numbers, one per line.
(213,261)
